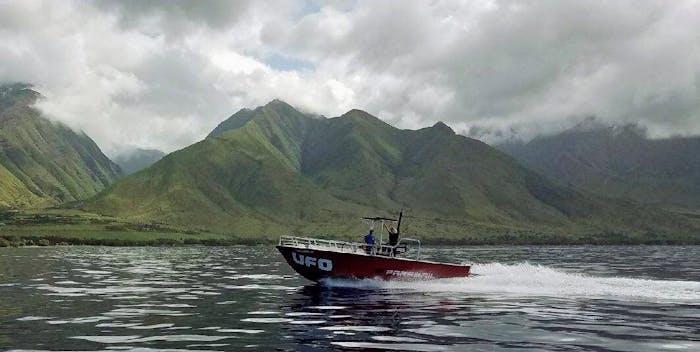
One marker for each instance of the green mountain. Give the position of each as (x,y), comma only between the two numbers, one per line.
(43,162)
(276,170)
(618,161)
(13,193)
(137,159)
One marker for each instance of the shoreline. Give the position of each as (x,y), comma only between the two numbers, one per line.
(175,240)
(51,227)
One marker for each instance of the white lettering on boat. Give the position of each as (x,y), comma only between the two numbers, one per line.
(322,263)
(410,274)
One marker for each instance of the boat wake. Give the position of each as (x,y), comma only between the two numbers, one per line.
(525,279)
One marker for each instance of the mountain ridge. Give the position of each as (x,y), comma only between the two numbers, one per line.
(618,161)
(274,170)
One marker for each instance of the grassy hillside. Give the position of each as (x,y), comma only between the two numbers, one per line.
(275,170)
(14,194)
(44,162)
(619,161)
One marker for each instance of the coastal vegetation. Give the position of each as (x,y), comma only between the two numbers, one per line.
(70,227)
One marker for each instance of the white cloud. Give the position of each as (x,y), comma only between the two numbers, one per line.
(162,74)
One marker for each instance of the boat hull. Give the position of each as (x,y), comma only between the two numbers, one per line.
(316,264)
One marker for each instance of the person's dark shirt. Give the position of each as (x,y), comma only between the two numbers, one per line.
(393,238)
(369,239)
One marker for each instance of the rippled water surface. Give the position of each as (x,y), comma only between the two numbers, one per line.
(246,298)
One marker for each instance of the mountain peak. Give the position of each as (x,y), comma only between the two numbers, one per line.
(9,88)
(364,118)
(280,107)
(275,107)
(360,114)
(15,94)
(277,103)
(441,126)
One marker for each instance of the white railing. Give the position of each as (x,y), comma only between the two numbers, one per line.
(401,248)
(307,242)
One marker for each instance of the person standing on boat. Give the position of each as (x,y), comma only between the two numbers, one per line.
(369,238)
(369,241)
(393,236)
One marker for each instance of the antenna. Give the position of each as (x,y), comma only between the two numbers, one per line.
(398,226)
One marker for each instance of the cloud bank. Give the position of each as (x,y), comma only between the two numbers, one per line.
(162,74)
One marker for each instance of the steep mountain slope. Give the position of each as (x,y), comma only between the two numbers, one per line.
(618,161)
(273,170)
(13,193)
(49,160)
(137,159)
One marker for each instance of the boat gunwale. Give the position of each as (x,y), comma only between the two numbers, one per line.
(376,256)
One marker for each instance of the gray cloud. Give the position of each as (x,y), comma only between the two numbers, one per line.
(524,67)
(176,16)
(161,74)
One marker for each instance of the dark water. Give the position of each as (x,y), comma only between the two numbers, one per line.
(246,298)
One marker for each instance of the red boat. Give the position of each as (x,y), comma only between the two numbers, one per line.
(399,259)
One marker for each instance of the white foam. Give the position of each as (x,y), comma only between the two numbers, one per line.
(525,279)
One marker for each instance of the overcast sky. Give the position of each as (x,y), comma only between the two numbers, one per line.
(162,74)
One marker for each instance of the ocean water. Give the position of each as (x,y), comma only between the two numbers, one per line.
(520,298)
